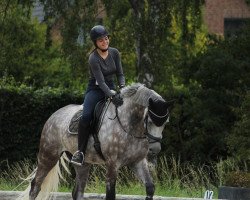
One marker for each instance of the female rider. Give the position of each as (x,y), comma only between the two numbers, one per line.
(104,63)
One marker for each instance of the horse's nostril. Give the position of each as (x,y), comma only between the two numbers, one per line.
(152,152)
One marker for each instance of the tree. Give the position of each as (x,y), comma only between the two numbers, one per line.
(216,84)
(77,18)
(24,55)
(18,51)
(6,7)
(239,140)
(153,22)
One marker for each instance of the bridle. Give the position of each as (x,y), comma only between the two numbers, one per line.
(151,138)
(147,135)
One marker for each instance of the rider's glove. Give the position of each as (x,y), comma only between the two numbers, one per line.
(121,86)
(117,100)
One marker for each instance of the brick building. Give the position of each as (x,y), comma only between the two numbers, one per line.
(221,17)
(225,16)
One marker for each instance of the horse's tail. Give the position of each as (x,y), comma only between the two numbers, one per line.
(50,183)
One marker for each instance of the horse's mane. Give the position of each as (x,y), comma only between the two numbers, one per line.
(139,93)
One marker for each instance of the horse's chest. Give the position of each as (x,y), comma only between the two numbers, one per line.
(126,149)
(137,148)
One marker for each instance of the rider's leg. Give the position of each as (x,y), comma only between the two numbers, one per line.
(91,99)
(83,136)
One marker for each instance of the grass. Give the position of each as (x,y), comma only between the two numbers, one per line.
(170,177)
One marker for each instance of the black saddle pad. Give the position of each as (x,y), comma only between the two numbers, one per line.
(73,125)
(96,122)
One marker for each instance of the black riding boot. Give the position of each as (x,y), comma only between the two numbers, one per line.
(83,136)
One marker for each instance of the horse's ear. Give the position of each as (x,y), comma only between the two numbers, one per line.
(170,104)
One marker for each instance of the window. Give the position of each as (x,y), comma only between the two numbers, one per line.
(234,26)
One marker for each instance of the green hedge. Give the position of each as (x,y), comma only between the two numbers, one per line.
(22,116)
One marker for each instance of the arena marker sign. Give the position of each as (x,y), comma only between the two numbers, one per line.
(208,194)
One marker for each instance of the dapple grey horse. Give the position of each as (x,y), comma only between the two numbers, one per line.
(127,135)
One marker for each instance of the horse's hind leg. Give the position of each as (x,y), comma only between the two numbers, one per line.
(142,172)
(46,161)
(82,174)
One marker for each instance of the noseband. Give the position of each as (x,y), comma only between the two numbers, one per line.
(152,139)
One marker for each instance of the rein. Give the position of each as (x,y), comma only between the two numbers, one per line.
(119,121)
(146,133)
(118,118)
(102,117)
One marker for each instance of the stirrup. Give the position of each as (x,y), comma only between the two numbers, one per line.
(77,158)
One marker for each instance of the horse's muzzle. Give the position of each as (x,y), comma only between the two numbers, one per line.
(154,149)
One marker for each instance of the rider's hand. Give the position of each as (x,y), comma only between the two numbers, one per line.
(117,100)
(121,86)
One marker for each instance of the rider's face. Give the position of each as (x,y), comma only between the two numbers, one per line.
(103,43)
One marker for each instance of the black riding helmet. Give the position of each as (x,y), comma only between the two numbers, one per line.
(97,32)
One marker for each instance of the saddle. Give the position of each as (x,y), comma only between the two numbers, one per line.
(96,121)
(99,112)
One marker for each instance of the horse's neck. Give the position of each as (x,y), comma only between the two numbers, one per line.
(133,115)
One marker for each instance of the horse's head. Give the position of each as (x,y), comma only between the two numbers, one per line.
(156,117)
(156,114)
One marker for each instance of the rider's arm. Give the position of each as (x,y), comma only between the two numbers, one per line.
(96,70)
(119,70)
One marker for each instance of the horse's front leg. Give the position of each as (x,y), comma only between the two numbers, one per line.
(82,174)
(141,170)
(111,181)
